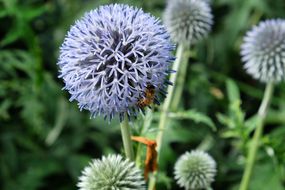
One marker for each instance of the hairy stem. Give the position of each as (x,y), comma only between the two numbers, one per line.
(144,129)
(165,108)
(181,75)
(170,92)
(256,137)
(126,136)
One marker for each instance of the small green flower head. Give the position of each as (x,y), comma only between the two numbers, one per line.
(195,170)
(111,173)
(263,51)
(188,21)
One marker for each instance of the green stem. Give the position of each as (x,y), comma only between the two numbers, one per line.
(126,136)
(59,124)
(181,75)
(146,124)
(165,108)
(170,91)
(257,135)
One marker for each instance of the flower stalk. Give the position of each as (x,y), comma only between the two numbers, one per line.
(126,136)
(262,112)
(146,124)
(181,76)
(170,92)
(165,109)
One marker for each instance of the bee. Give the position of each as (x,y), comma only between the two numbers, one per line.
(149,97)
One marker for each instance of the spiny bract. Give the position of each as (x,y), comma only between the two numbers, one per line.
(111,173)
(188,21)
(263,51)
(111,55)
(195,170)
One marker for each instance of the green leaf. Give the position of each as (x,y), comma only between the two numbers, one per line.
(230,134)
(251,123)
(29,13)
(265,177)
(232,91)
(4,106)
(3,13)
(164,179)
(196,117)
(14,34)
(225,120)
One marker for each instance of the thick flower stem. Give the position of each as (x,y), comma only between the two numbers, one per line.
(126,136)
(165,108)
(144,129)
(170,92)
(181,75)
(257,135)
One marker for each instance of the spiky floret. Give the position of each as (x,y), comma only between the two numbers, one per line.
(195,170)
(111,172)
(111,55)
(263,51)
(188,21)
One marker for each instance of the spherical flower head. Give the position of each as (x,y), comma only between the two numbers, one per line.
(195,170)
(110,57)
(111,172)
(263,51)
(188,21)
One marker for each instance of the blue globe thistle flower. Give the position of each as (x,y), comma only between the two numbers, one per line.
(263,51)
(111,56)
(112,172)
(188,21)
(195,170)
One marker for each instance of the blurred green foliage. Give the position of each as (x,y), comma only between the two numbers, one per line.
(46,141)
